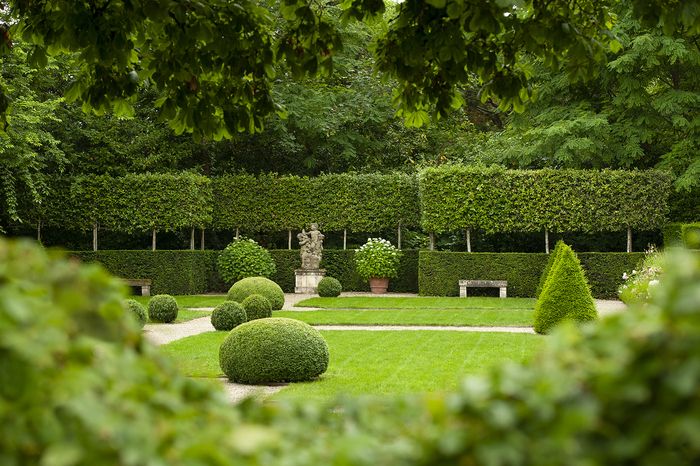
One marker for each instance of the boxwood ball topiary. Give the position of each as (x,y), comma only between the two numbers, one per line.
(137,309)
(257,307)
(257,285)
(329,287)
(228,315)
(272,351)
(162,308)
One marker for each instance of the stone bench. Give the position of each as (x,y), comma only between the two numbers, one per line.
(500,284)
(144,283)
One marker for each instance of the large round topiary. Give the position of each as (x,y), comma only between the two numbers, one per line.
(565,294)
(257,307)
(257,285)
(228,315)
(162,308)
(244,258)
(137,310)
(272,351)
(329,287)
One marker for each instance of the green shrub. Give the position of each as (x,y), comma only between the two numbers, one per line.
(272,351)
(642,280)
(137,310)
(257,285)
(329,287)
(228,315)
(565,294)
(244,258)
(377,258)
(257,307)
(162,308)
(682,234)
(550,262)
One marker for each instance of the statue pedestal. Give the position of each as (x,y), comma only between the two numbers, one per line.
(307,280)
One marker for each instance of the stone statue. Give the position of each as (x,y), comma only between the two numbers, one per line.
(311,245)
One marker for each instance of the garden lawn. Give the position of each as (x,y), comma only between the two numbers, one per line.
(189,300)
(448,317)
(417,302)
(378,362)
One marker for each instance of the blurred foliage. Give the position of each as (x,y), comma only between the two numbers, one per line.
(640,282)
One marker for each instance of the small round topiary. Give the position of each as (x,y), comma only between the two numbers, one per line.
(257,307)
(162,308)
(245,258)
(257,285)
(137,310)
(228,315)
(329,287)
(272,351)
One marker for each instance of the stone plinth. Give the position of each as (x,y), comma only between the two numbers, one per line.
(307,280)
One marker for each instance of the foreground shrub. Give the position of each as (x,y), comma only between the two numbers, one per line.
(641,281)
(228,315)
(329,287)
(272,351)
(162,308)
(565,294)
(137,310)
(244,258)
(257,307)
(257,285)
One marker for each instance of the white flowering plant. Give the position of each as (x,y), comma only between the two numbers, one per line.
(377,258)
(640,283)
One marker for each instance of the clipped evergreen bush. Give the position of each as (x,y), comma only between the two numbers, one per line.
(228,315)
(244,258)
(162,308)
(257,285)
(272,351)
(565,294)
(548,268)
(257,307)
(137,310)
(329,287)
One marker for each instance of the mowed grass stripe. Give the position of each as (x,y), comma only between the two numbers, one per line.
(448,317)
(417,302)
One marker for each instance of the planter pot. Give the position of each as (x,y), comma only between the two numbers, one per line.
(378,285)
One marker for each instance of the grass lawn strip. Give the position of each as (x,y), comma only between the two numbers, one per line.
(417,302)
(440,317)
(210,301)
(378,363)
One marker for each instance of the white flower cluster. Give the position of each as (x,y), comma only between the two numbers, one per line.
(376,243)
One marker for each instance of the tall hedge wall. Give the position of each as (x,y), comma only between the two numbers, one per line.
(439,272)
(192,272)
(456,197)
(368,202)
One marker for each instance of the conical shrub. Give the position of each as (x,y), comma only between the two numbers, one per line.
(565,294)
(556,253)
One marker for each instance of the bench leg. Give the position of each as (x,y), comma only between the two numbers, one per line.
(462,291)
(145,290)
(502,293)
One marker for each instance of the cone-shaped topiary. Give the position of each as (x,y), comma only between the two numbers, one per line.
(137,310)
(565,295)
(556,253)
(162,308)
(257,285)
(228,315)
(329,287)
(272,351)
(257,307)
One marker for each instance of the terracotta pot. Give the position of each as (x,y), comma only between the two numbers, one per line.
(378,285)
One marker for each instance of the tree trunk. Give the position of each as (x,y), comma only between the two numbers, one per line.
(432,241)
(38,231)
(153,240)
(192,239)
(236,237)
(202,242)
(94,236)
(398,237)
(289,239)
(546,241)
(345,239)
(629,239)
(469,240)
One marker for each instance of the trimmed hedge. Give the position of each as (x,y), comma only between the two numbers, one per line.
(682,234)
(439,272)
(257,307)
(273,350)
(497,200)
(228,315)
(244,258)
(137,310)
(162,308)
(171,272)
(329,287)
(565,294)
(265,287)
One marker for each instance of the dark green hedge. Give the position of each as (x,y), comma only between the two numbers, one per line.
(456,197)
(677,234)
(439,272)
(171,272)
